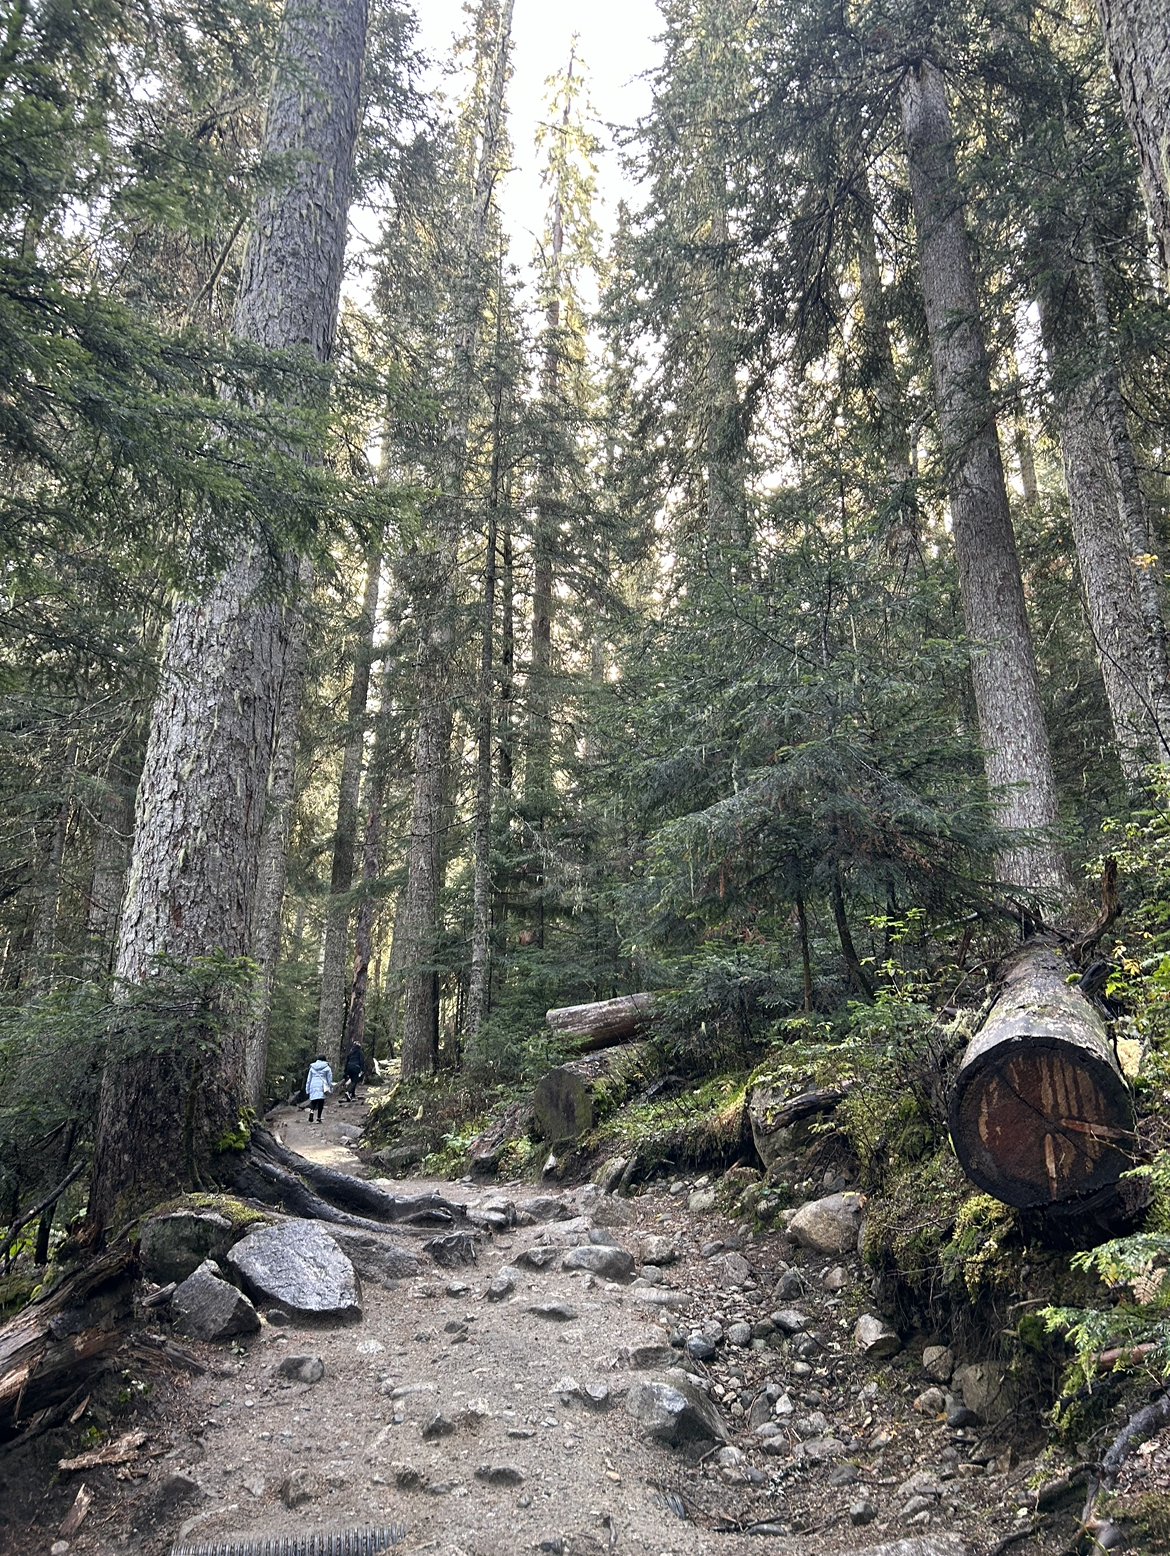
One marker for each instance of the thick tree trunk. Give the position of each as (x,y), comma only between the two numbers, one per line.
(273,869)
(202,796)
(1017,758)
(1040,1113)
(1115,618)
(335,952)
(1137,39)
(603,1023)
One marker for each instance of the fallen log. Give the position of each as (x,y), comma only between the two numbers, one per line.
(565,1101)
(602,1024)
(1040,1113)
(60,1339)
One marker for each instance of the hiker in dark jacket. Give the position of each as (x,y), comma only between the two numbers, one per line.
(355,1069)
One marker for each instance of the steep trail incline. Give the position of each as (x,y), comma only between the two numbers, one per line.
(489,1426)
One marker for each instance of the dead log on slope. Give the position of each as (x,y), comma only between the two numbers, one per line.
(54,1344)
(603,1023)
(1040,1113)
(565,1101)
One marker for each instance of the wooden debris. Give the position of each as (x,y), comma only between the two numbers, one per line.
(75,1517)
(120,1451)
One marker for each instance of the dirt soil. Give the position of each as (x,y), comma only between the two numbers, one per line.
(525,1462)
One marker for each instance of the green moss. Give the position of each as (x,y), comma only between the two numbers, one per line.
(701,1126)
(1147,1518)
(240,1215)
(911,1224)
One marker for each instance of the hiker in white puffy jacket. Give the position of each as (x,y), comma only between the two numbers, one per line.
(318,1085)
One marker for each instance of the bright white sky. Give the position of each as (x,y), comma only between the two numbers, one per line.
(616,43)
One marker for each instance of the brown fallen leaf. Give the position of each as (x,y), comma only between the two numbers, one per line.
(125,1447)
(75,1517)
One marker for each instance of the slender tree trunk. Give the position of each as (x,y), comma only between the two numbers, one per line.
(201,800)
(857,973)
(111,855)
(334,956)
(1137,40)
(420,1009)
(479,983)
(46,896)
(1016,754)
(273,870)
(805,957)
(373,801)
(879,370)
(392,988)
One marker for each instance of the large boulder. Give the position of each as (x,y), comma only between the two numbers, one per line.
(299,1265)
(173,1246)
(828,1225)
(986,1390)
(608,1262)
(774,1140)
(674,1411)
(212,1309)
(376,1256)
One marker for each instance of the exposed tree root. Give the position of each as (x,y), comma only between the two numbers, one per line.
(272,1173)
(1096,1533)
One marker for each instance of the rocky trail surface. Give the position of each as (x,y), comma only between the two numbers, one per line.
(604,1375)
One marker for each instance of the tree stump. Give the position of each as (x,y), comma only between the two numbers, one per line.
(565,1100)
(603,1023)
(1040,1113)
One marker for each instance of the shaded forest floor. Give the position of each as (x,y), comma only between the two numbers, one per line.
(522,1460)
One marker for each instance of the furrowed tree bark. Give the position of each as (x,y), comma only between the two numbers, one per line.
(1017,758)
(202,795)
(1040,1113)
(273,869)
(334,956)
(420,1006)
(1137,40)
(1103,561)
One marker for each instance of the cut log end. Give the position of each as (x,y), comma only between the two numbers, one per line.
(1040,1113)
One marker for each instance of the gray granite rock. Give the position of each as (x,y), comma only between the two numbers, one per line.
(297,1264)
(658,1250)
(545,1207)
(301,1486)
(301,1369)
(938,1362)
(922,1545)
(502,1283)
(173,1246)
(212,1309)
(609,1263)
(874,1337)
(650,1349)
(376,1256)
(674,1412)
(828,1225)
